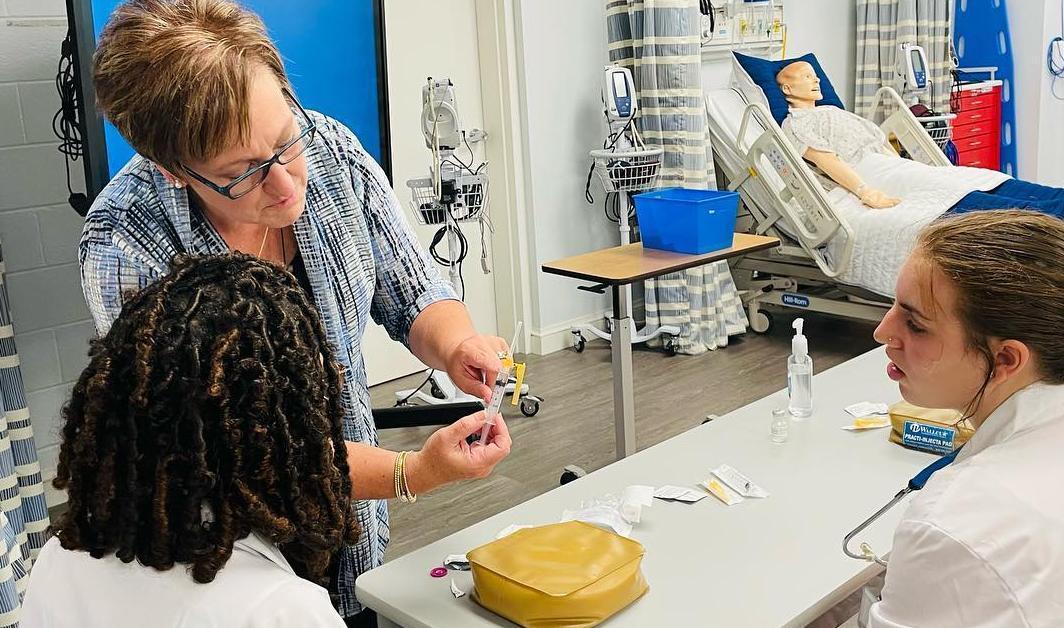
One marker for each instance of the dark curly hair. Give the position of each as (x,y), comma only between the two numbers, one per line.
(210,410)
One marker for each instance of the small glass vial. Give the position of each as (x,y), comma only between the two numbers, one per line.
(781,424)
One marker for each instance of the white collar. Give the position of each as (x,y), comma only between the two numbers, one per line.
(255,543)
(1027,409)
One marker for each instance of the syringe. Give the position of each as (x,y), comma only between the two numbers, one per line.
(498,391)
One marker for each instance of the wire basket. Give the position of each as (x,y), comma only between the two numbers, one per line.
(940,128)
(627,171)
(471,199)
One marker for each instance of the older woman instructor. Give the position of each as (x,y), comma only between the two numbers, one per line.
(228,160)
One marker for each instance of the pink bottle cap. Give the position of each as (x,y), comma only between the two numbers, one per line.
(438,572)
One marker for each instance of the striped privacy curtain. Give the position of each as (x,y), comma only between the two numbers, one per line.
(884,24)
(659,40)
(23,513)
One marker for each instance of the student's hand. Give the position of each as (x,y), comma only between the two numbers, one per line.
(446,456)
(474,363)
(876,199)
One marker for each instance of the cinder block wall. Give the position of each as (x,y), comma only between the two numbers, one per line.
(38,231)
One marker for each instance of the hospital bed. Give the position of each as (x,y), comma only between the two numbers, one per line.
(782,197)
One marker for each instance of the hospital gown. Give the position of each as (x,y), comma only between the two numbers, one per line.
(832,130)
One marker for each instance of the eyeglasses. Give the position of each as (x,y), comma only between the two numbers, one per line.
(254,177)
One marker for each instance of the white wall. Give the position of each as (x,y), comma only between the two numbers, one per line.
(562,48)
(828,29)
(1026,26)
(1050,131)
(38,230)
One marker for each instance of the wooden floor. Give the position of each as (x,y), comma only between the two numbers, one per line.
(575,422)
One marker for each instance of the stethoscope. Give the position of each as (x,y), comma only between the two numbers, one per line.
(916,483)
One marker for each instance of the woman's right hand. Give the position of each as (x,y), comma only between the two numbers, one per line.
(446,456)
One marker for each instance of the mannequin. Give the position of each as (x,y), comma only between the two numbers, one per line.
(850,150)
(801,87)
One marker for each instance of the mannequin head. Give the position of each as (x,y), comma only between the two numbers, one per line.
(800,85)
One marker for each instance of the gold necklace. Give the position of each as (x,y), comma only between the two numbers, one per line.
(263,245)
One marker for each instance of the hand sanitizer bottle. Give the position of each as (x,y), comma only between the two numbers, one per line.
(800,374)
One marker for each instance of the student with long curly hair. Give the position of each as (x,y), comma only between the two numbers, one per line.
(204,459)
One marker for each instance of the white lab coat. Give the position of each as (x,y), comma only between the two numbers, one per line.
(256,589)
(982,545)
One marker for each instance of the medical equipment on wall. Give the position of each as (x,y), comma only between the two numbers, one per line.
(455,192)
(750,25)
(915,484)
(1055,56)
(624,165)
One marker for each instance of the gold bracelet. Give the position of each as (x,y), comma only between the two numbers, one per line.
(409,494)
(402,489)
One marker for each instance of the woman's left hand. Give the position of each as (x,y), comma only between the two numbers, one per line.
(447,457)
(474,363)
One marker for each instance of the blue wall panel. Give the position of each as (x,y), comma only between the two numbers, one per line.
(331,55)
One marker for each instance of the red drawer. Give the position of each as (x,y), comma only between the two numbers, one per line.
(990,114)
(978,98)
(964,131)
(976,142)
(988,157)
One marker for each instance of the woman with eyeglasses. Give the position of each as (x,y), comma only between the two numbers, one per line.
(228,160)
(977,326)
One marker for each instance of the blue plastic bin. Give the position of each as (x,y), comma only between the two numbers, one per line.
(687,221)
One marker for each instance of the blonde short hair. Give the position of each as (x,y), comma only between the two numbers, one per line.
(174,76)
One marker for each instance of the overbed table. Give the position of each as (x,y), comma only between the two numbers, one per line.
(623,265)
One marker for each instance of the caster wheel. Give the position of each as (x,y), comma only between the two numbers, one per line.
(608,325)
(570,473)
(669,345)
(436,391)
(529,406)
(579,342)
(761,322)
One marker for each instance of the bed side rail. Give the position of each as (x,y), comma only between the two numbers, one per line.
(906,127)
(799,196)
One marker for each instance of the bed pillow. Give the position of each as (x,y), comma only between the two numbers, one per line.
(756,79)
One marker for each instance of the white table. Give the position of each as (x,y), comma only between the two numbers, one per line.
(761,563)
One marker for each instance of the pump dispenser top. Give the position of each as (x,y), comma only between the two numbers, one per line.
(799,344)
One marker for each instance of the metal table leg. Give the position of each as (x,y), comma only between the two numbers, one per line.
(623,399)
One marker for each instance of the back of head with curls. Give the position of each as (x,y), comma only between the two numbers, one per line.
(210,410)
(1008,269)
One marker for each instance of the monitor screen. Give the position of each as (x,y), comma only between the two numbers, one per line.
(334,56)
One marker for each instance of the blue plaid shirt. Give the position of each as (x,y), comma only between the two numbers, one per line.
(361,257)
